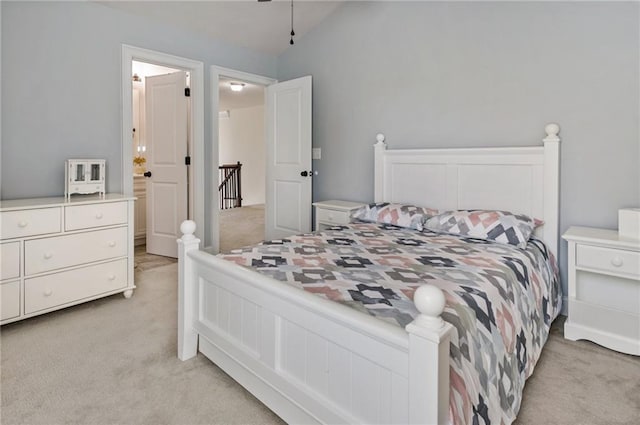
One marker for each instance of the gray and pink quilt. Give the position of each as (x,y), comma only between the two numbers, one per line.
(500,299)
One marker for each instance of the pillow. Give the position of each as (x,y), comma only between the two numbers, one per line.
(400,215)
(499,226)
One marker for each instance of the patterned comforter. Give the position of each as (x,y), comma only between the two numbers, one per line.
(500,300)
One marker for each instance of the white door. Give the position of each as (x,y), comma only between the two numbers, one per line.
(166,135)
(288,171)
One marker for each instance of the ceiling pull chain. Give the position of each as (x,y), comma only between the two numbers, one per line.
(292,33)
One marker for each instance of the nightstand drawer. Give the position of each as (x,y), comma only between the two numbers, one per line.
(94,215)
(332,216)
(608,260)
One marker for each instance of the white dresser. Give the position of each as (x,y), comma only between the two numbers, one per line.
(604,289)
(56,253)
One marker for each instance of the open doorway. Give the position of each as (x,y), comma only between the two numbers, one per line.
(238,116)
(156,111)
(288,124)
(190,139)
(241,163)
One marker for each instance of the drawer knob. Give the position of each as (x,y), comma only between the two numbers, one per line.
(47,293)
(617,262)
(112,277)
(22,224)
(112,244)
(99,215)
(47,255)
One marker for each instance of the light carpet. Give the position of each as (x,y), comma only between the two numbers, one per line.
(113,361)
(241,227)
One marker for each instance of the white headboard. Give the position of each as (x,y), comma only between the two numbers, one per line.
(518,179)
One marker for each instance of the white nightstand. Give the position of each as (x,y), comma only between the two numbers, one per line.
(604,289)
(332,213)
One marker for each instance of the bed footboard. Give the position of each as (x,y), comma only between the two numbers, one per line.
(308,359)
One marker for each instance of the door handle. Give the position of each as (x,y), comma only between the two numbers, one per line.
(147,174)
(306,173)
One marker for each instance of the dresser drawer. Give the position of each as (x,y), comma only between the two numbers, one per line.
(9,260)
(94,215)
(17,224)
(49,291)
(609,260)
(41,255)
(9,300)
(332,216)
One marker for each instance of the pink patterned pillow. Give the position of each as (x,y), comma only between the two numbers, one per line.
(400,215)
(499,226)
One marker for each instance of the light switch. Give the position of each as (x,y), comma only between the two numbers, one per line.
(316,153)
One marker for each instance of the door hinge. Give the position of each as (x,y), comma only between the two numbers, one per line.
(187,92)
(187,160)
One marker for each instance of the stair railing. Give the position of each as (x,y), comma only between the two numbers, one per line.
(230,188)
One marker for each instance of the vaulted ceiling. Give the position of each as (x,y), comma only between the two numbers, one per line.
(261,26)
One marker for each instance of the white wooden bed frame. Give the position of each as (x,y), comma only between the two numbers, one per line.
(315,361)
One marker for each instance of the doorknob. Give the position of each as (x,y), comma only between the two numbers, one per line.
(147,174)
(306,173)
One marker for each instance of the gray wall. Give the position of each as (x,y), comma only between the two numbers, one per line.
(426,74)
(430,74)
(61,67)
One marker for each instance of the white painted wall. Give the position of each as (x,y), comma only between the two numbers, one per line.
(74,109)
(242,139)
(468,74)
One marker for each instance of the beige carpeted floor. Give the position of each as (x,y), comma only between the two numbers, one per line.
(113,361)
(241,227)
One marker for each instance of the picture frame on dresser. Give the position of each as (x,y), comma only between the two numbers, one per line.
(58,252)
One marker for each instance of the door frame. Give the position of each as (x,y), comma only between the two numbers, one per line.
(196,123)
(215,73)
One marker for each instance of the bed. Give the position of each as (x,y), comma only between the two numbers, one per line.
(312,360)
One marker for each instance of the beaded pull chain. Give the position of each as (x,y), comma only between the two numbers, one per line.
(292,32)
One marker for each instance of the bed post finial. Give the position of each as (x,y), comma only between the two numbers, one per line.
(429,301)
(552,130)
(380,139)
(188,228)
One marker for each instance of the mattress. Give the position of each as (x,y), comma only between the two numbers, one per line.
(500,299)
